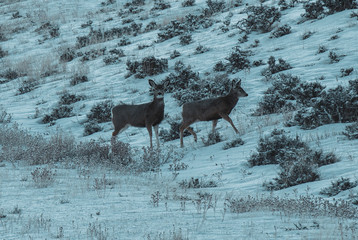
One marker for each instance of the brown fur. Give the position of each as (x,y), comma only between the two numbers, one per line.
(211,109)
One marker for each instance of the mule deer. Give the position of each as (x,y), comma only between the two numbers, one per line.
(211,110)
(144,115)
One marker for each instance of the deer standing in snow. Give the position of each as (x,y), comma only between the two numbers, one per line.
(211,109)
(144,115)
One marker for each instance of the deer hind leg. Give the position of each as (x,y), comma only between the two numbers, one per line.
(227,118)
(149,128)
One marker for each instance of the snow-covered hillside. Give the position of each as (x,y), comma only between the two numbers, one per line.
(80,51)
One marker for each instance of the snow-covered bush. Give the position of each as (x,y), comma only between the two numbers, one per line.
(339,5)
(91,127)
(175,54)
(28,85)
(68,55)
(338,186)
(148,66)
(259,18)
(3,53)
(214,7)
(298,162)
(313,10)
(198,183)
(5,117)
(160,5)
(275,67)
(287,93)
(188,3)
(351,131)
(346,71)
(281,31)
(58,112)
(238,60)
(337,105)
(234,143)
(213,138)
(77,79)
(187,86)
(185,39)
(173,133)
(101,112)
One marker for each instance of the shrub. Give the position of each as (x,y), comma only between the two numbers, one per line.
(219,67)
(43,177)
(238,60)
(321,49)
(351,131)
(288,93)
(337,105)
(77,79)
(213,138)
(198,183)
(27,85)
(188,3)
(346,72)
(275,68)
(68,99)
(259,18)
(101,112)
(175,54)
(214,7)
(68,55)
(334,58)
(91,127)
(338,186)
(186,39)
(298,163)
(201,49)
(173,132)
(234,143)
(3,53)
(182,78)
(281,31)
(149,66)
(5,117)
(160,5)
(339,5)
(115,54)
(313,10)
(11,74)
(57,113)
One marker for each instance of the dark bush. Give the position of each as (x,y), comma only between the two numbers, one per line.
(201,49)
(213,138)
(351,131)
(3,53)
(173,132)
(281,66)
(214,7)
(28,85)
(259,18)
(68,99)
(91,127)
(339,5)
(182,78)
(185,39)
(281,31)
(11,74)
(57,113)
(101,112)
(149,66)
(346,72)
(313,10)
(234,143)
(175,54)
(298,162)
(338,186)
(288,93)
(334,58)
(68,55)
(219,67)
(160,5)
(337,105)
(76,79)
(321,49)
(238,60)
(188,3)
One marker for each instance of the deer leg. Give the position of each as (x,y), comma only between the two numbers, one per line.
(156,134)
(182,128)
(227,118)
(149,128)
(215,122)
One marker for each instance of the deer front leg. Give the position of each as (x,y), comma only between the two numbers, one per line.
(227,118)
(149,128)
(182,128)
(156,134)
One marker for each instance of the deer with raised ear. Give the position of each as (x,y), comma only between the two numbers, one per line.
(147,115)
(211,109)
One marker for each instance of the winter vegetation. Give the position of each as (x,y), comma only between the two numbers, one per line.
(289,173)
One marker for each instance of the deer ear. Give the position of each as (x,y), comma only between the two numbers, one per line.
(239,83)
(233,83)
(152,83)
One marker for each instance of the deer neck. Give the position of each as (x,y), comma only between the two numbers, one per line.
(232,98)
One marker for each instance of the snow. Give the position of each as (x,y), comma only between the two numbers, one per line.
(75,207)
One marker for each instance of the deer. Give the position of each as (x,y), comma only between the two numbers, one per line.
(211,109)
(148,115)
